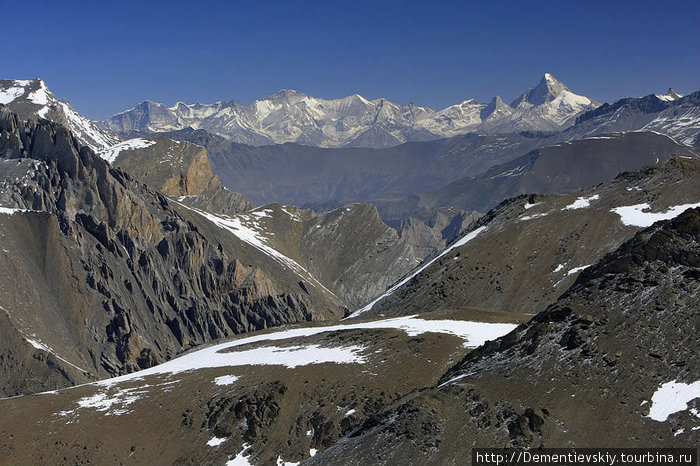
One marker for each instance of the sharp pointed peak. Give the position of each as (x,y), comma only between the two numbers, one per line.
(551,83)
(549,77)
(673,93)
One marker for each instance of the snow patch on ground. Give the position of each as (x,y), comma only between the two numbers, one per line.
(530,217)
(240,459)
(464,240)
(110,154)
(216,441)
(292,356)
(577,269)
(114,401)
(10,94)
(635,215)
(672,397)
(225,380)
(281,462)
(582,202)
(473,333)
(40,96)
(262,213)
(11,211)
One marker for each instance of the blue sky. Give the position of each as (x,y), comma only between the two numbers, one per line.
(107,56)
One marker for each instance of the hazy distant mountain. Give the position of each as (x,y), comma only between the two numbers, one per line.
(559,168)
(290,116)
(312,176)
(31,100)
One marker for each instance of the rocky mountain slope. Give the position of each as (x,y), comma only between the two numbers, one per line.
(290,116)
(31,100)
(527,251)
(559,168)
(670,114)
(113,276)
(611,363)
(596,368)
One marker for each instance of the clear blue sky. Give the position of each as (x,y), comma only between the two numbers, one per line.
(106,56)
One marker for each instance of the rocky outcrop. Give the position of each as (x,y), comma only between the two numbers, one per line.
(179,170)
(356,253)
(115,277)
(175,168)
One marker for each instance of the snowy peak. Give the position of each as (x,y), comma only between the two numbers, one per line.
(670,96)
(31,99)
(547,90)
(496,108)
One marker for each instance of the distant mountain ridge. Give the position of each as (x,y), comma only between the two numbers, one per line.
(291,116)
(671,114)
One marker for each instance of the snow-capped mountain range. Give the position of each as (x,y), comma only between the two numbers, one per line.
(30,99)
(291,116)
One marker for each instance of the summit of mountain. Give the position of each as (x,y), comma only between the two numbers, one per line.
(31,99)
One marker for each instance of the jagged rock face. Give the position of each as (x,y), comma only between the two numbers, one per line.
(359,254)
(581,373)
(290,116)
(31,100)
(560,168)
(113,274)
(529,249)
